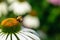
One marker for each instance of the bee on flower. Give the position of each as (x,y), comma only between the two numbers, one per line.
(11,29)
(20,18)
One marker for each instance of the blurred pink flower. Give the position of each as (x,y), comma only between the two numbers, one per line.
(55,2)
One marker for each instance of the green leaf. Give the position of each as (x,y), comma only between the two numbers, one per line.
(53,15)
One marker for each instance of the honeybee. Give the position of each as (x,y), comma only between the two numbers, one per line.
(20,18)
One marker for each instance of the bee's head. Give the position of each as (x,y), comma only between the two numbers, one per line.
(19,18)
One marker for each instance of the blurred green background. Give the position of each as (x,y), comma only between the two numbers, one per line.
(49,16)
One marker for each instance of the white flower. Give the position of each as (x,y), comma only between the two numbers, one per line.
(31,21)
(20,8)
(3,9)
(24,34)
(11,29)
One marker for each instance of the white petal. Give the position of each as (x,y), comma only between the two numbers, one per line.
(8,38)
(1,33)
(31,22)
(13,37)
(31,35)
(20,37)
(20,8)
(3,36)
(28,38)
(23,36)
(29,30)
(3,8)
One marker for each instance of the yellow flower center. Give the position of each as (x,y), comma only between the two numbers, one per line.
(9,22)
